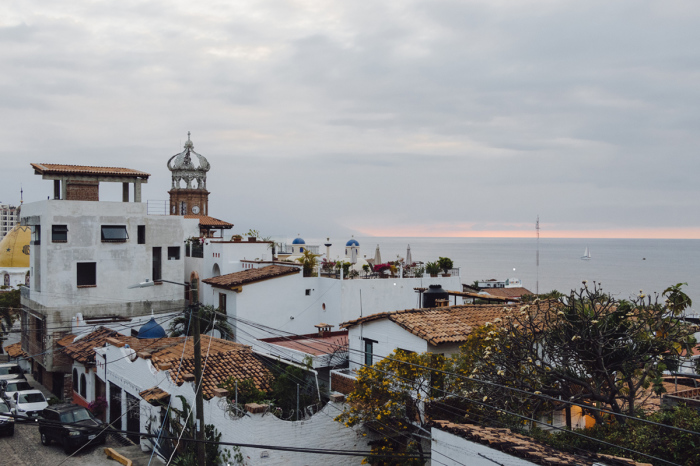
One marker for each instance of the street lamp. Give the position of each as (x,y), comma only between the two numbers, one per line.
(199,400)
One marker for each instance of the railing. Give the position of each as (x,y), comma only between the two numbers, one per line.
(284,248)
(157,207)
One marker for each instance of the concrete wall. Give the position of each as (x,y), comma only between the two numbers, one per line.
(450,450)
(118,264)
(54,296)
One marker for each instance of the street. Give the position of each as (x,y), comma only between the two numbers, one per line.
(25,448)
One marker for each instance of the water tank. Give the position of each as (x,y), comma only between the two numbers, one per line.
(434,293)
(151,329)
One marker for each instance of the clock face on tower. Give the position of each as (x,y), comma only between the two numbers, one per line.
(195,209)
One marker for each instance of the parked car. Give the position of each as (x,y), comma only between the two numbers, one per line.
(9,387)
(28,403)
(10,371)
(70,425)
(7,422)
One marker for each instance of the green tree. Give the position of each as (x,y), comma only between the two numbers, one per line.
(389,399)
(309,262)
(586,347)
(9,311)
(445,263)
(210,318)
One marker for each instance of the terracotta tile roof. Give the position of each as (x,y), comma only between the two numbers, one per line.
(15,350)
(210,222)
(525,447)
(450,324)
(154,395)
(251,276)
(82,170)
(238,363)
(507,292)
(314,344)
(173,351)
(83,350)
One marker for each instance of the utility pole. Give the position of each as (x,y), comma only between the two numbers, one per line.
(537,227)
(199,400)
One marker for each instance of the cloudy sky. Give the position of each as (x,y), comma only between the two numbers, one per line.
(388,118)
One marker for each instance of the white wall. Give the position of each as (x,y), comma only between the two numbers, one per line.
(275,301)
(17,276)
(450,450)
(387,294)
(388,337)
(319,431)
(118,265)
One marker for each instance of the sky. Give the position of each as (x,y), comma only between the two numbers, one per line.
(374,118)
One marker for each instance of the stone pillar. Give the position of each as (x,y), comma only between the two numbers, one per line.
(64,189)
(137,191)
(125,192)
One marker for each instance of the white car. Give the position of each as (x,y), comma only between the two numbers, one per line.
(9,387)
(28,403)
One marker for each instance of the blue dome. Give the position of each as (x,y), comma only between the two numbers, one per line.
(352,242)
(151,329)
(298,241)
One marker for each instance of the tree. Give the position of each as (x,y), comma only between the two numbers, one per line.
(210,319)
(308,261)
(9,309)
(586,347)
(445,263)
(388,400)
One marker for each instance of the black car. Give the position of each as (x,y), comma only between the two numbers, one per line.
(7,421)
(70,425)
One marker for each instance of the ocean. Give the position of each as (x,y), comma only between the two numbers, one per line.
(622,266)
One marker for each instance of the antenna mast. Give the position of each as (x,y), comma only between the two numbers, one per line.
(537,228)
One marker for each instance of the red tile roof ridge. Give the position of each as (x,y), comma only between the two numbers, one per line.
(86,169)
(448,324)
(251,275)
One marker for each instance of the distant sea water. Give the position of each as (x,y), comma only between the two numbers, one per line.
(622,266)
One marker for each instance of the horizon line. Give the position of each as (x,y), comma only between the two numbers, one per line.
(622,233)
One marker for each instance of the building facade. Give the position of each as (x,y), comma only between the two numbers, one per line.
(9,216)
(84,254)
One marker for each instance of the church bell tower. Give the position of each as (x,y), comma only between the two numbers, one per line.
(189,195)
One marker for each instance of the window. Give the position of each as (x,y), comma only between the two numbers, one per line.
(141,234)
(222,303)
(173,253)
(114,233)
(75,380)
(157,254)
(59,233)
(87,274)
(369,349)
(308,292)
(36,235)
(83,390)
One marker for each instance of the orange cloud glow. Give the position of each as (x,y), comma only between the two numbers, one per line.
(452,232)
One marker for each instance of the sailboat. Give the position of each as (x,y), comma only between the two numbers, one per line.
(586,255)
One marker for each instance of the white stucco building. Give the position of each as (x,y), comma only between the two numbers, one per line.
(85,253)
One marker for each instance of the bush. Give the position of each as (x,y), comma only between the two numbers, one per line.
(445,263)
